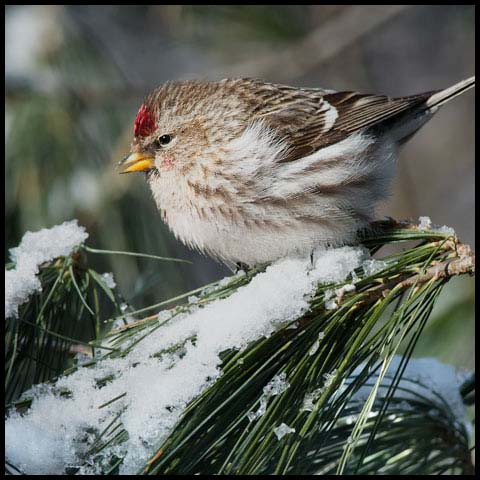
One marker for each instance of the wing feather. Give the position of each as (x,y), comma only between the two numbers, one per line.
(311,119)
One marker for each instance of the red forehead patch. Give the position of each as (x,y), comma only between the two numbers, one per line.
(144,122)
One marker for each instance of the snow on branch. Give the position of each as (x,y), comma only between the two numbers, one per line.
(141,390)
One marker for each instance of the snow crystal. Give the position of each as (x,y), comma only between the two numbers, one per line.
(329,378)
(425,223)
(81,358)
(328,294)
(308,404)
(314,348)
(445,230)
(34,249)
(166,369)
(283,430)
(224,281)
(340,292)
(125,319)
(109,280)
(121,322)
(372,266)
(330,304)
(252,416)
(277,385)
(316,344)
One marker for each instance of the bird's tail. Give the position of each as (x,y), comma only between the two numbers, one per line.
(443,96)
(430,102)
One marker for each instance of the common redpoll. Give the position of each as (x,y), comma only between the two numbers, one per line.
(248,171)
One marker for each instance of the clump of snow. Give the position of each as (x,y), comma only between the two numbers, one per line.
(34,249)
(224,281)
(277,385)
(332,303)
(40,450)
(334,265)
(125,318)
(313,350)
(445,230)
(109,280)
(165,369)
(316,344)
(372,266)
(81,358)
(283,430)
(329,378)
(340,292)
(426,224)
(308,404)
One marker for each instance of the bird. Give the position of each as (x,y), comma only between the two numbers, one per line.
(250,172)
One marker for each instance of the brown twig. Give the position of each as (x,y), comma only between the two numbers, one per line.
(462,263)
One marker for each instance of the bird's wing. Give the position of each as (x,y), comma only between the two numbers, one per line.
(310,119)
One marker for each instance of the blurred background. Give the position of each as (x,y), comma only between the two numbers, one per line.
(76,75)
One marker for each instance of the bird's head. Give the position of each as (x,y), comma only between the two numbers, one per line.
(172,130)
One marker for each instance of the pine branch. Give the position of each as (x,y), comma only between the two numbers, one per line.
(39,341)
(291,402)
(179,454)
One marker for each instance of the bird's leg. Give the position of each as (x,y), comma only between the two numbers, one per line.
(311,257)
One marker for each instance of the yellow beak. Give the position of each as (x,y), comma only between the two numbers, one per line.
(137,162)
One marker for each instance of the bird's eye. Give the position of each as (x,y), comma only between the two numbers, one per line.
(164,139)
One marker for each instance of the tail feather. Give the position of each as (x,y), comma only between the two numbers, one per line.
(404,129)
(444,96)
